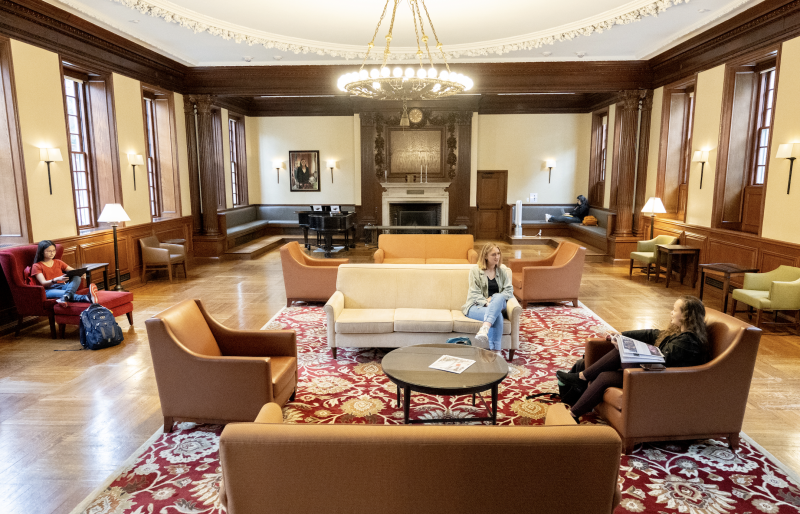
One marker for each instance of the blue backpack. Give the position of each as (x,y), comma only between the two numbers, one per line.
(99,329)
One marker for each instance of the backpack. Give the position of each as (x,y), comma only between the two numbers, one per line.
(570,393)
(98,328)
(590,221)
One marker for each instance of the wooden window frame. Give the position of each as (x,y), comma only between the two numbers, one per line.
(152,161)
(240,189)
(763,121)
(84,133)
(156,93)
(598,157)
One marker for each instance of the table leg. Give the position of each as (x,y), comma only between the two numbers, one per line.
(398,397)
(702,283)
(473,399)
(669,268)
(494,404)
(725,285)
(406,403)
(305,238)
(695,268)
(683,258)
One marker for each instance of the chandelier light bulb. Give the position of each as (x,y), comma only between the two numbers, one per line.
(385,72)
(409,73)
(374,73)
(432,72)
(363,75)
(397,72)
(421,73)
(443,75)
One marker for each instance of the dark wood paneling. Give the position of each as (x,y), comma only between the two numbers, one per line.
(769,261)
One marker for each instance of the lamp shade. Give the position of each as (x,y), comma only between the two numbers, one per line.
(50,154)
(135,159)
(331,164)
(700,156)
(113,213)
(550,163)
(277,164)
(654,206)
(788,151)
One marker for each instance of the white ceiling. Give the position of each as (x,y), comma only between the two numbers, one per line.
(205,32)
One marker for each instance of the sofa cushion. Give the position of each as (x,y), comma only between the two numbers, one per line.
(423,320)
(600,231)
(283,222)
(467,325)
(446,261)
(403,246)
(613,397)
(405,260)
(365,321)
(246,227)
(284,370)
(645,257)
(448,246)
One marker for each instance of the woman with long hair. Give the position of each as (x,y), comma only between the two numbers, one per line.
(489,290)
(683,343)
(49,273)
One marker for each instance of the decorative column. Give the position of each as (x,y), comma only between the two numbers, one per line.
(627,163)
(194,172)
(644,149)
(208,176)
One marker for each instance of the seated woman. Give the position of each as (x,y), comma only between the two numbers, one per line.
(684,343)
(576,216)
(489,290)
(49,272)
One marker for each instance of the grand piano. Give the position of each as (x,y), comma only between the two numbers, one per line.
(326,224)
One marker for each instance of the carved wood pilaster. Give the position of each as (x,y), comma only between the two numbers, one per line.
(207,164)
(194,170)
(627,166)
(644,149)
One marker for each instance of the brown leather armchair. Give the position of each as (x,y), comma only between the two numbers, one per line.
(156,255)
(209,373)
(305,278)
(554,279)
(697,402)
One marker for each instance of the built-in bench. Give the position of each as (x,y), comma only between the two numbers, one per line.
(534,220)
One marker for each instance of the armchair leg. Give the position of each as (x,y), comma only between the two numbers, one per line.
(574,302)
(19,325)
(52,326)
(758,318)
(185,273)
(289,302)
(168,422)
(648,271)
(511,354)
(144,273)
(130,318)
(733,311)
(628,446)
(733,442)
(333,352)
(169,271)
(62,329)
(291,398)
(630,273)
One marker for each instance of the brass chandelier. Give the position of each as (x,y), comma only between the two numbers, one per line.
(399,84)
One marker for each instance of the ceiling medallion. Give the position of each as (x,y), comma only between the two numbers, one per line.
(399,84)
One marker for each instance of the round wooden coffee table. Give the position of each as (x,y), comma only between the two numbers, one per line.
(409,369)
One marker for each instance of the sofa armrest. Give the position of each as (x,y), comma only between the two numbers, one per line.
(155,255)
(758,281)
(325,263)
(378,256)
(596,348)
(517,265)
(174,249)
(514,310)
(333,308)
(251,343)
(558,415)
(472,256)
(270,413)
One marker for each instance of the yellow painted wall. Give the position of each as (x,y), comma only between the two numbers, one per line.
(612,117)
(40,105)
(705,136)
(520,143)
(183,156)
(254,178)
(226,159)
(274,137)
(786,130)
(655,138)
(130,137)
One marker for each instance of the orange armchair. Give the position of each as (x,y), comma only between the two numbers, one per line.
(697,402)
(209,373)
(305,278)
(554,279)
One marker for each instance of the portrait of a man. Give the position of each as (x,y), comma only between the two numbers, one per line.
(305,170)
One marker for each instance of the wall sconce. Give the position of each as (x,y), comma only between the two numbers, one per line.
(49,155)
(278,165)
(700,156)
(789,151)
(653,206)
(331,165)
(135,160)
(550,164)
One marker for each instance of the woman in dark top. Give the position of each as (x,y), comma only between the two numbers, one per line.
(684,343)
(576,216)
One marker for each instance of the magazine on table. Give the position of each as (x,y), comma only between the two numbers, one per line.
(451,364)
(633,351)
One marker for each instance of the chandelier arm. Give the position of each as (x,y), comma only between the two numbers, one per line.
(411,4)
(389,35)
(438,43)
(372,43)
(424,36)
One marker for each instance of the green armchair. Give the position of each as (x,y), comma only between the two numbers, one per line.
(776,290)
(646,252)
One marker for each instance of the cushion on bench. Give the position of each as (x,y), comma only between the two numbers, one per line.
(246,227)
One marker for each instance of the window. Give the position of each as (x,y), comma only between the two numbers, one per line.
(604,147)
(152,156)
(13,214)
(597,165)
(675,148)
(161,152)
(766,99)
(233,137)
(75,93)
(238,159)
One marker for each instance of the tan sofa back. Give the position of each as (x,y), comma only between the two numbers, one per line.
(425,248)
(397,286)
(302,468)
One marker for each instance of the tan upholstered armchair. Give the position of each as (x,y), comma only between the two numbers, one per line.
(697,402)
(556,278)
(209,373)
(776,290)
(161,255)
(646,252)
(305,278)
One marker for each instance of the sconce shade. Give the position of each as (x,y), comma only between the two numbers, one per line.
(700,156)
(277,164)
(550,163)
(135,159)
(50,154)
(331,164)
(113,213)
(654,206)
(788,151)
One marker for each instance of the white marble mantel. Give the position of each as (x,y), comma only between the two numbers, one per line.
(415,192)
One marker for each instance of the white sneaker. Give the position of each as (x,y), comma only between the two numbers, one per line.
(547,217)
(483,335)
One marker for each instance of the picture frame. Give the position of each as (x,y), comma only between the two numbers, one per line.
(335,208)
(304,171)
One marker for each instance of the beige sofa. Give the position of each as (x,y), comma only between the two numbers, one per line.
(268,466)
(425,249)
(394,305)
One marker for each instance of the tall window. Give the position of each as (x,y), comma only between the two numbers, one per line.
(597,164)
(162,155)
(232,133)
(604,147)
(766,99)
(238,157)
(152,156)
(75,93)
(13,213)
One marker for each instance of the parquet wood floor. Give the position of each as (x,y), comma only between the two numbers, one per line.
(69,419)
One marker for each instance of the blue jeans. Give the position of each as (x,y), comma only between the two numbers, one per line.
(59,290)
(564,219)
(492,313)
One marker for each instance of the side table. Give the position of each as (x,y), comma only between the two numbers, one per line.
(683,252)
(727,269)
(95,266)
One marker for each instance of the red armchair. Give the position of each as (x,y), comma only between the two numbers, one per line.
(30,300)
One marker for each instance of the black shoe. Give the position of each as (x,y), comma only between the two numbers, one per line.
(571,379)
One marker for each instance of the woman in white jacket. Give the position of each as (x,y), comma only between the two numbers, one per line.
(489,290)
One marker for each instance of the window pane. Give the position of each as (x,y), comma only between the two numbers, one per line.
(74,126)
(69,87)
(762,156)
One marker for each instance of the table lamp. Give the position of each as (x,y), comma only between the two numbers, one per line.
(114,214)
(653,206)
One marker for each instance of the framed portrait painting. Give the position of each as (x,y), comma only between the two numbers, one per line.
(304,166)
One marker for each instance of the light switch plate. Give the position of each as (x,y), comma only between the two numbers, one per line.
(534,197)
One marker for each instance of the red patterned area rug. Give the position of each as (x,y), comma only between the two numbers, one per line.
(180,472)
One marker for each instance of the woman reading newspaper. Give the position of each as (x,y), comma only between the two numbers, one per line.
(683,343)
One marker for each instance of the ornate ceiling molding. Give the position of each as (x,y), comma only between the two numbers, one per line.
(171,13)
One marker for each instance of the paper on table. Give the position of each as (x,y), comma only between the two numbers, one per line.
(451,364)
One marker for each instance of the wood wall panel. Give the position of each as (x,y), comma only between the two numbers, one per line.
(770,261)
(728,251)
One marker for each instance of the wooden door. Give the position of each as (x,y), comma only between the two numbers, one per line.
(491,192)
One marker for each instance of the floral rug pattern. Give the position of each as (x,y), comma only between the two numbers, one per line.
(180,472)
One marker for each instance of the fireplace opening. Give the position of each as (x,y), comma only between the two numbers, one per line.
(415,214)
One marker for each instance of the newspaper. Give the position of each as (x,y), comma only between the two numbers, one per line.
(633,351)
(452,364)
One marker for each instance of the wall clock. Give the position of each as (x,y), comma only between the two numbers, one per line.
(415,115)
